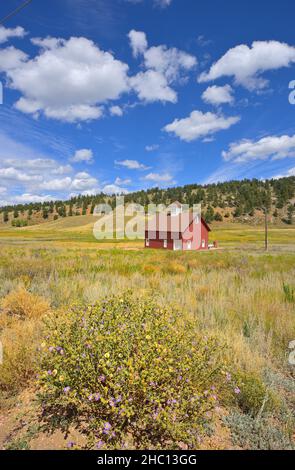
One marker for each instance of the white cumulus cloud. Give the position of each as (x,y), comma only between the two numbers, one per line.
(114,189)
(12,174)
(170,62)
(83,155)
(138,42)
(68,80)
(57,184)
(116,111)
(290,172)
(73,80)
(83,181)
(159,177)
(217,95)
(199,125)
(247,64)
(6,33)
(153,86)
(119,181)
(131,164)
(11,59)
(164,67)
(27,198)
(270,147)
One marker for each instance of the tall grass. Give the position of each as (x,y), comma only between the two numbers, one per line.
(222,291)
(236,296)
(289,292)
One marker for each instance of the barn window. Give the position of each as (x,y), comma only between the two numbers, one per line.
(147,242)
(203,244)
(165,243)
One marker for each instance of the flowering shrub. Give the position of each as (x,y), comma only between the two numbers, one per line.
(126,372)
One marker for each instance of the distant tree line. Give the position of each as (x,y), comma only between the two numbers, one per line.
(242,197)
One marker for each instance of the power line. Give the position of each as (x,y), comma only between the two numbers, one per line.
(14,12)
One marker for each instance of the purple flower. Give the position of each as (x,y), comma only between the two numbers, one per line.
(49,372)
(106,428)
(99,444)
(237,390)
(90,397)
(70,445)
(228,376)
(51,348)
(102,378)
(97,397)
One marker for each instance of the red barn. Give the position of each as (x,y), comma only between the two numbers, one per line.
(177,230)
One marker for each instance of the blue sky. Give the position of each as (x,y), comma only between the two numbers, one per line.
(121,95)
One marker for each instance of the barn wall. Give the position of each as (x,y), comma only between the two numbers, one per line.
(157,242)
(199,235)
(205,235)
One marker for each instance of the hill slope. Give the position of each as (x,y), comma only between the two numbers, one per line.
(234,201)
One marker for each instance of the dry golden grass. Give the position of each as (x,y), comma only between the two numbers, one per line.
(237,294)
(24,305)
(20,331)
(19,341)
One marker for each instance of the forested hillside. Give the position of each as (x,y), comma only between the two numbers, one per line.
(233,201)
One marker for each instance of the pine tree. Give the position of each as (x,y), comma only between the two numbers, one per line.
(209,215)
(218,217)
(290,212)
(92,207)
(5,216)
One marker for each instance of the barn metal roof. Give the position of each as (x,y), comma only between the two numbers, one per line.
(163,221)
